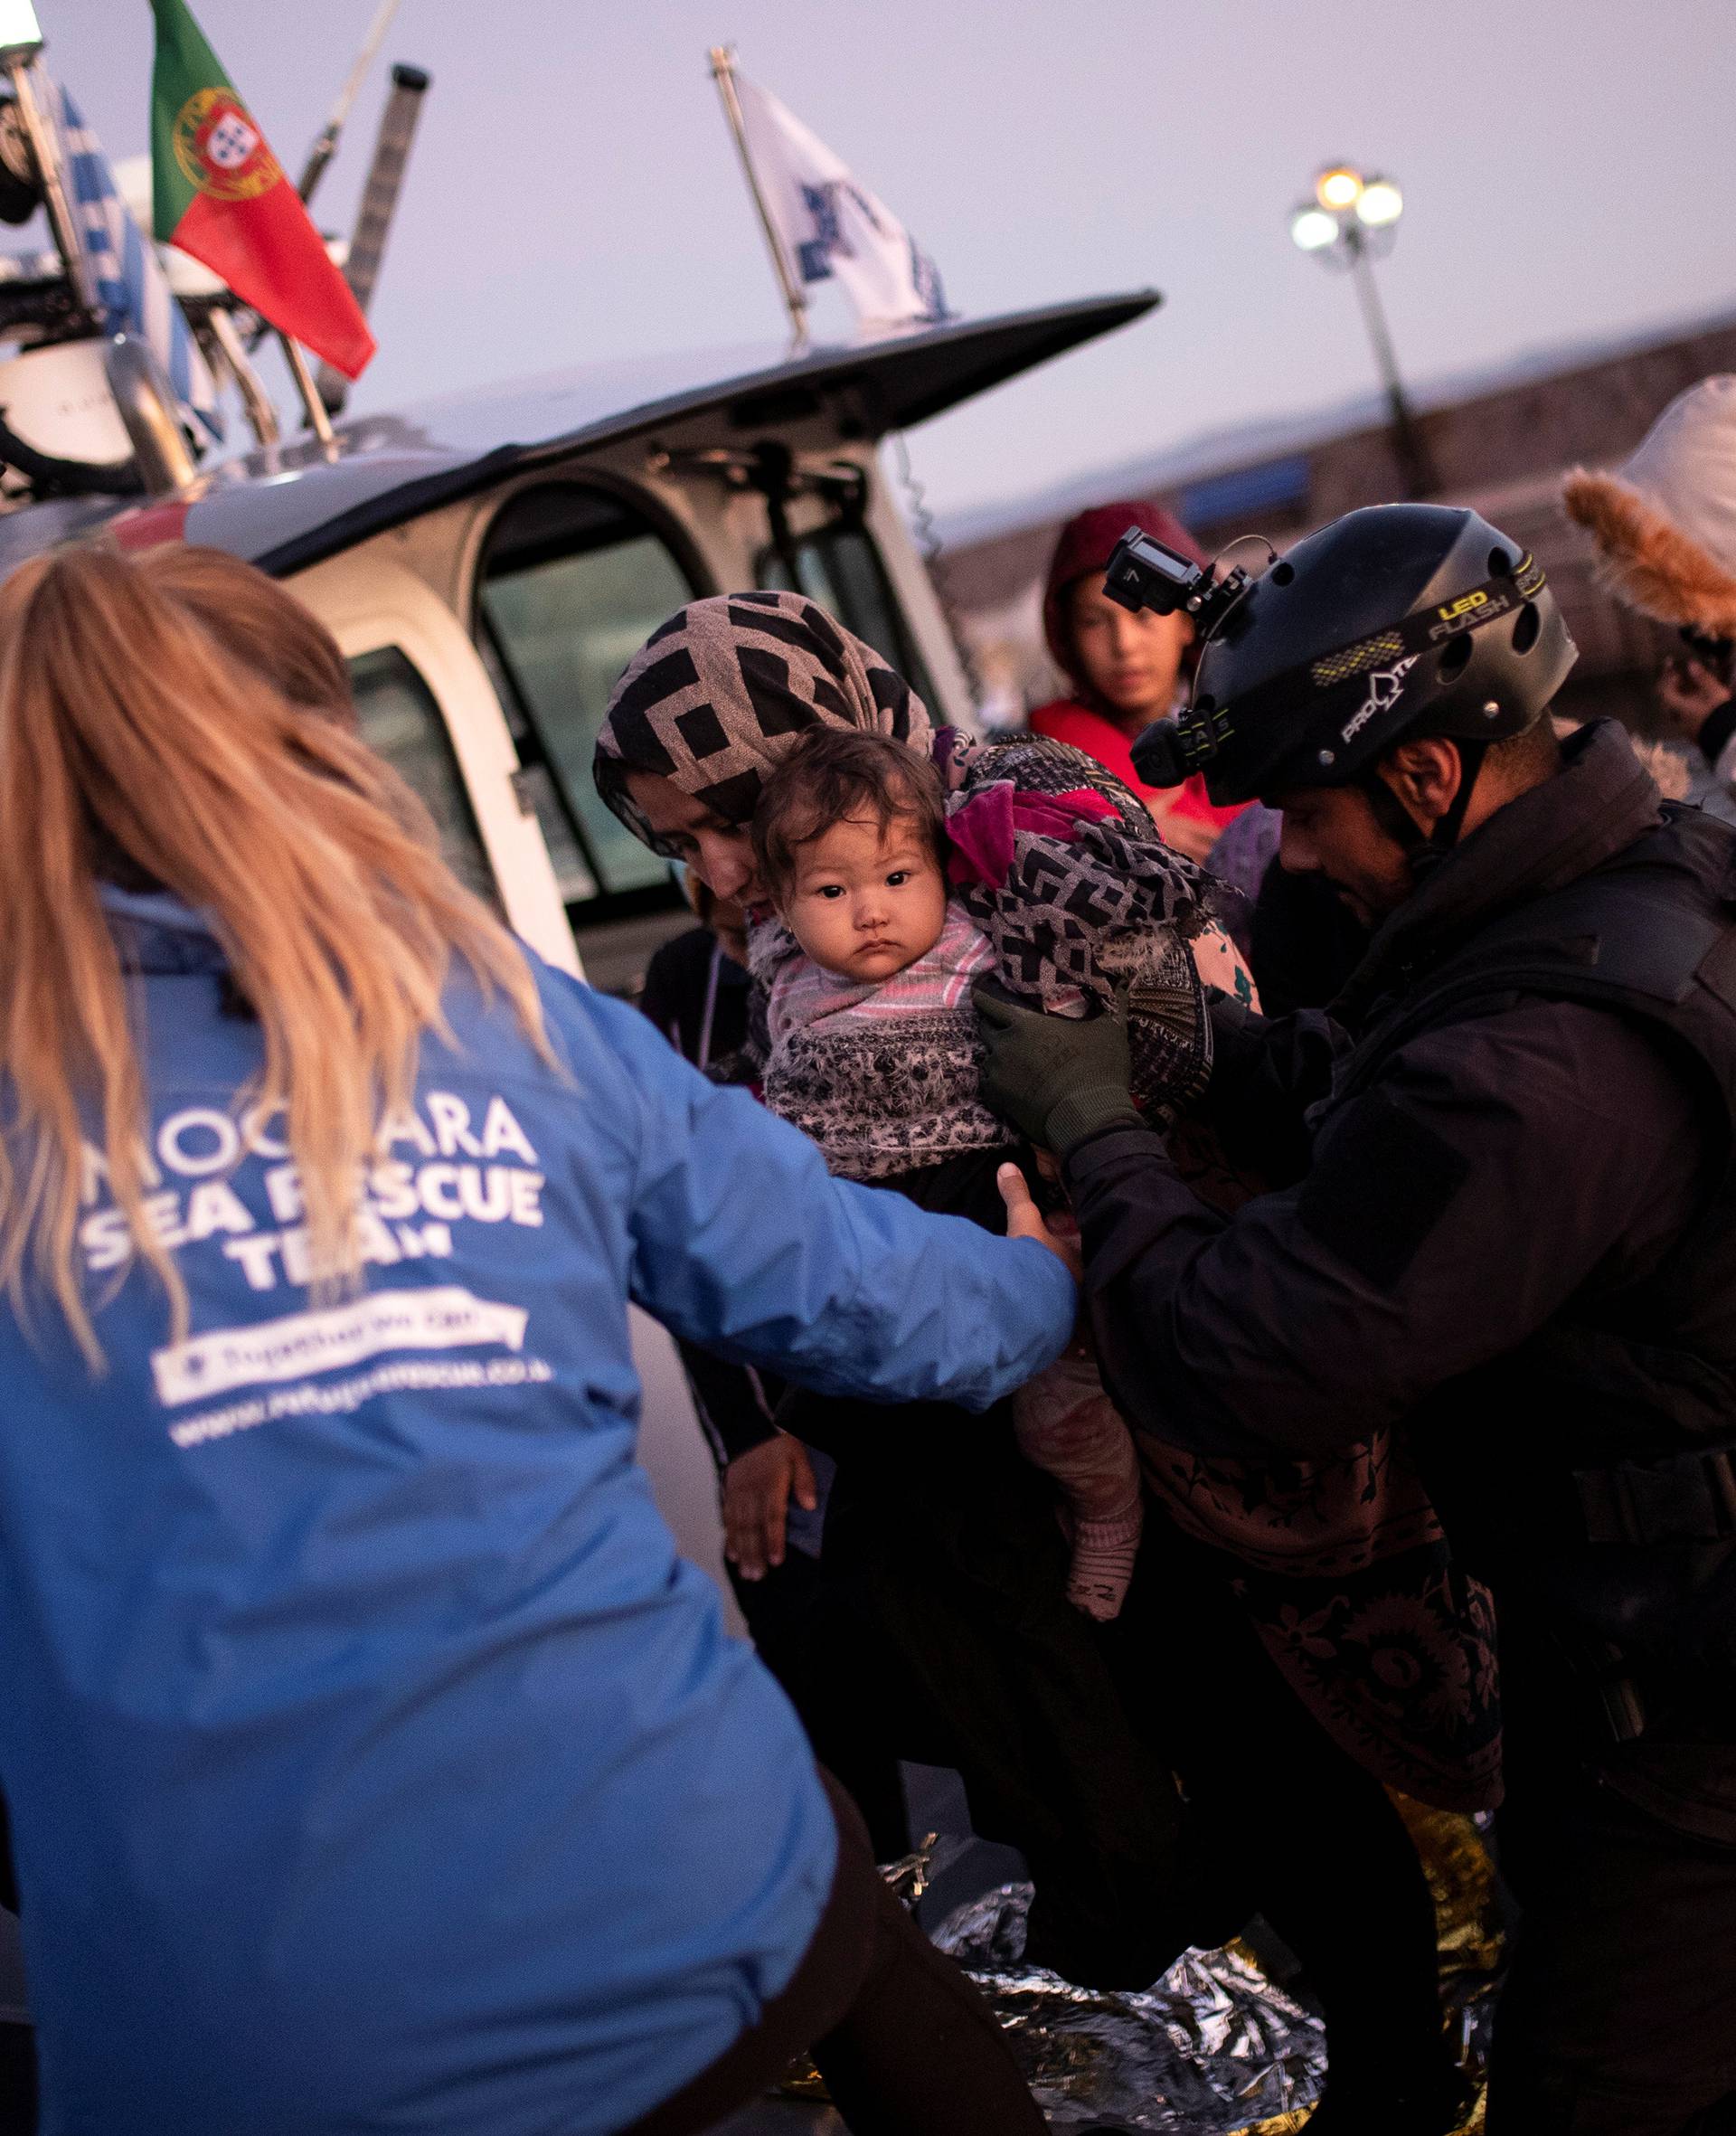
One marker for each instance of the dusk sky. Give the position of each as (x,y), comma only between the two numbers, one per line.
(574,195)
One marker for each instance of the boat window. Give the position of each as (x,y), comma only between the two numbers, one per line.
(841,568)
(401,720)
(573,581)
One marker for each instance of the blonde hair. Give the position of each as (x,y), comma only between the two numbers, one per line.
(177,719)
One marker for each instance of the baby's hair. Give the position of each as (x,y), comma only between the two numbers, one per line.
(834,773)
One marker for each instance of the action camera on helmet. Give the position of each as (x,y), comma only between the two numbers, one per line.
(1143,574)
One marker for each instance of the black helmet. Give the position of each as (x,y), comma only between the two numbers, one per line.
(1396,621)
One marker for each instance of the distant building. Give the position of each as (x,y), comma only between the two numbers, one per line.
(1501,441)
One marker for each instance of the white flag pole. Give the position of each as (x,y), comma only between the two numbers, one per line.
(723,74)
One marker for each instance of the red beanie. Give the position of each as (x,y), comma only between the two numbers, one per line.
(1087,543)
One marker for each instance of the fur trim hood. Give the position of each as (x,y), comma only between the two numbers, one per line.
(1664,524)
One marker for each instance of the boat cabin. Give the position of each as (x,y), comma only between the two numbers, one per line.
(489,562)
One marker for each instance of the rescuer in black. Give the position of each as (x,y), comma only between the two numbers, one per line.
(1503,1218)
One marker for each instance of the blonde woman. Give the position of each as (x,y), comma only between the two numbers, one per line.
(373,1760)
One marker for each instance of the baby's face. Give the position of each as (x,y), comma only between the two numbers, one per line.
(865,903)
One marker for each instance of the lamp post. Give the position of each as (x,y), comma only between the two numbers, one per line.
(1350,222)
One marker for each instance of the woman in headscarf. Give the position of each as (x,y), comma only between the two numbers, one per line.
(1067,1735)
(1096,902)
(946,1537)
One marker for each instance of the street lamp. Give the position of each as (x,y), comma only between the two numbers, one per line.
(1350,222)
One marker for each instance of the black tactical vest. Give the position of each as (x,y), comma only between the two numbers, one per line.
(1591,1473)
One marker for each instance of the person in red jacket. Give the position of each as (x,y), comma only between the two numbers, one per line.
(1126,670)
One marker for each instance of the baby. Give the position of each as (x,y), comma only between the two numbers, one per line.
(873,1052)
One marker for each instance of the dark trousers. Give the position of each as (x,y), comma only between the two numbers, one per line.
(839,1672)
(1619,2015)
(907,2046)
(1283,1823)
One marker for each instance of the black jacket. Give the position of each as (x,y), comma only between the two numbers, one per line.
(697,994)
(1493,1175)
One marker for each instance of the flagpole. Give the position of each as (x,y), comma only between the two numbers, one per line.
(318,422)
(226,340)
(723,74)
(22,67)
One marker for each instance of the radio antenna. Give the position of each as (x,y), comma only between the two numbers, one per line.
(325,146)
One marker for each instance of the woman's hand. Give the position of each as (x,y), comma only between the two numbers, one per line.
(757,1486)
(1024,1221)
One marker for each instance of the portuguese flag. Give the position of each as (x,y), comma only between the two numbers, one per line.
(221,196)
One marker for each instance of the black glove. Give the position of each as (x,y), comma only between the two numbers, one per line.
(1057,1078)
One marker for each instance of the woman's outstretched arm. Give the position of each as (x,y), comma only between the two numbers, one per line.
(744,1242)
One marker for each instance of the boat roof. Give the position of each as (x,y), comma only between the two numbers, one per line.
(290,506)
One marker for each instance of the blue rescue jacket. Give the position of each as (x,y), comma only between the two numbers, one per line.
(374,1762)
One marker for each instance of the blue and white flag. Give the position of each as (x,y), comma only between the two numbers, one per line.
(131,287)
(828,225)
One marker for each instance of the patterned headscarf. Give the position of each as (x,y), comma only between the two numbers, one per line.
(1098,907)
(715,698)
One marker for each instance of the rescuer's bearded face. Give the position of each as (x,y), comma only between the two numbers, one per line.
(1337,832)
(1332,833)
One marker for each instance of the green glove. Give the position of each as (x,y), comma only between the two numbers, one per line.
(1057,1078)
